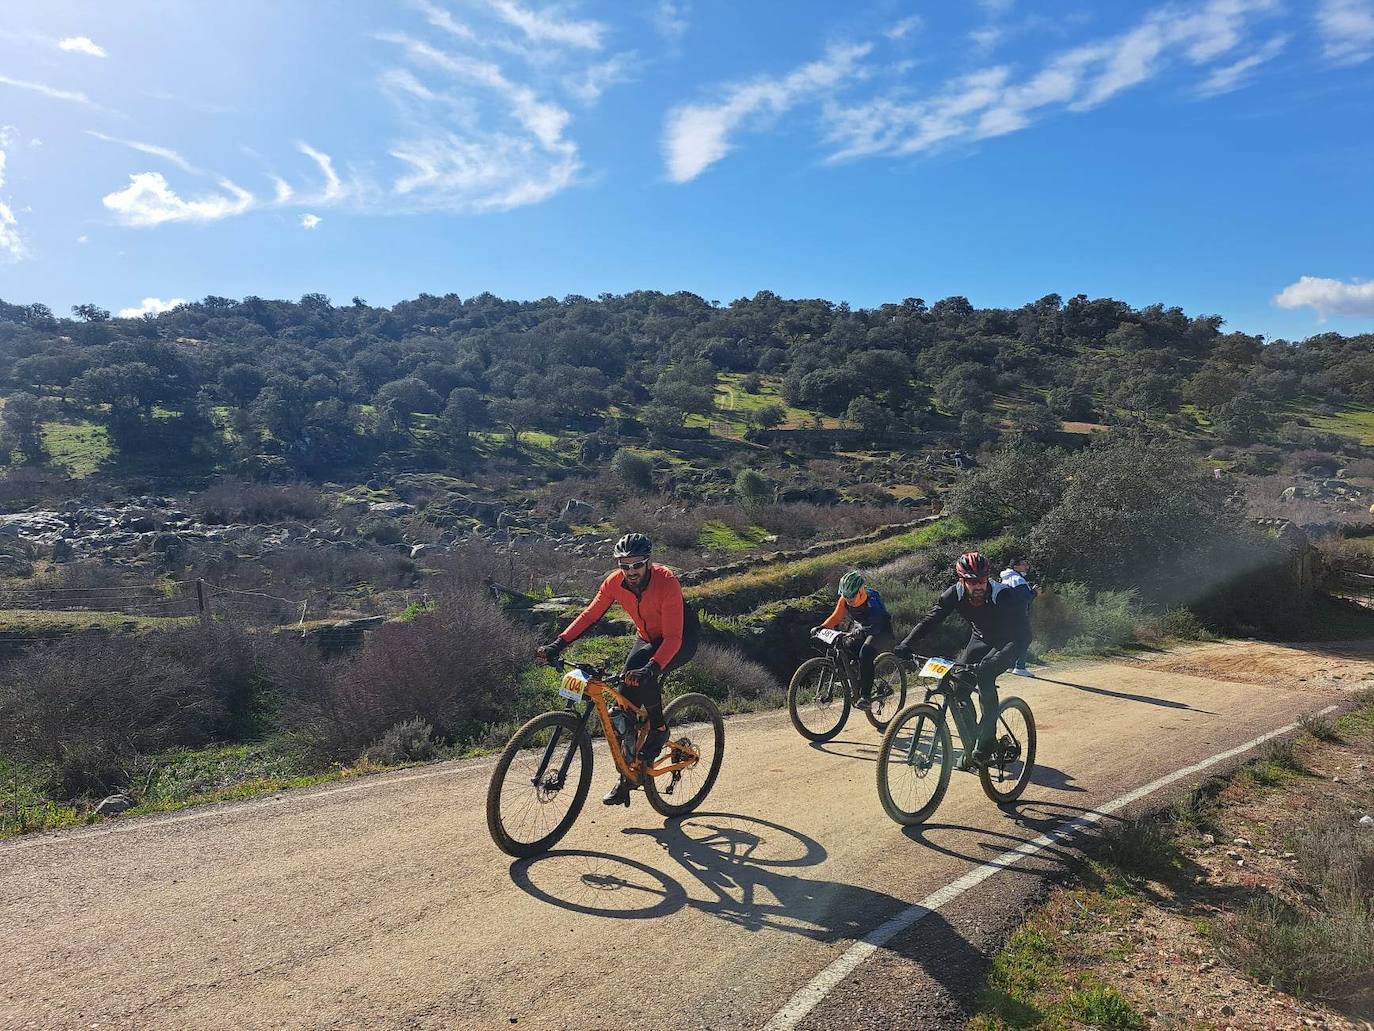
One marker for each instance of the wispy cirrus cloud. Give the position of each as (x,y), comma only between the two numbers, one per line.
(998,100)
(548,27)
(699,135)
(670,19)
(1328,297)
(481,97)
(52,92)
(1347,29)
(166,153)
(82,45)
(1234,76)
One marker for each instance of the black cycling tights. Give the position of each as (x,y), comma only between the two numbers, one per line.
(650,695)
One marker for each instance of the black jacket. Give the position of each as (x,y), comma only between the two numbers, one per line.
(999,621)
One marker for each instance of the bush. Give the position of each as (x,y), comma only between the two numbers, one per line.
(1178,624)
(456,668)
(752,488)
(1073,618)
(381,529)
(233,501)
(89,709)
(633,470)
(725,674)
(86,714)
(411,741)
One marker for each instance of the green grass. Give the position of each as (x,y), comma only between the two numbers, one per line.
(719,536)
(44,622)
(79,447)
(774,580)
(1355,422)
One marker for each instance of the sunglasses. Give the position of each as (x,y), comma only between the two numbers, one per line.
(630,567)
(979,581)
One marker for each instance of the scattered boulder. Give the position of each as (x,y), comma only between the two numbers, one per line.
(114,805)
(576,511)
(393,509)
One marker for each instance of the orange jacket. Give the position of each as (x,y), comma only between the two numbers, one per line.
(656,612)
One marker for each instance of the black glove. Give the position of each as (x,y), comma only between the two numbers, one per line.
(642,677)
(550,652)
(816,630)
(855,637)
(903,651)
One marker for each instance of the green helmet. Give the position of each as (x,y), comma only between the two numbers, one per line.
(851,583)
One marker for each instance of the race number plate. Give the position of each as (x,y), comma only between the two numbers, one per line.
(935,668)
(828,636)
(573,686)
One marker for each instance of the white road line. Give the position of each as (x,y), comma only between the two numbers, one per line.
(810,995)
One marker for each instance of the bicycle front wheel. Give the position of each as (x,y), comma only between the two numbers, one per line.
(531,801)
(695,728)
(914,764)
(817,699)
(1007,773)
(889,690)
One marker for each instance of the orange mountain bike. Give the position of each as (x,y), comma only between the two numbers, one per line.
(541,780)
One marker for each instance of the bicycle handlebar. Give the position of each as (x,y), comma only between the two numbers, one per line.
(593,672)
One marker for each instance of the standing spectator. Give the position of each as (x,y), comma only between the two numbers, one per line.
(1014,577)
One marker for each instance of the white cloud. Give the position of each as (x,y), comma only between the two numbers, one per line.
(442,19)
(670,19)
(597,79)
(149,200)
(150,306)
(72,96)
(83,238)
(82,45)
(996,6)
(698,135)
(1347,28)
(455,160)
(333,186)
(547,27)
(309,221)
(148,148)
(993,102)
(11,243)
(903,28)
(1328,296)
(1233,76)
(987,37)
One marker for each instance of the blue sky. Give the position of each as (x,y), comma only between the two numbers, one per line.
(1215,154)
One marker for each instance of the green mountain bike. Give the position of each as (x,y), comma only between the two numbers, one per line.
(917,755)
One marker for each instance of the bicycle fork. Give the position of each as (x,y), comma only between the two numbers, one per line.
(556,783)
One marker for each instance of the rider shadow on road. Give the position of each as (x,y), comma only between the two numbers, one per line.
(1167,703)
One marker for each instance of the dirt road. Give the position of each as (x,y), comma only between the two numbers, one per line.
(382,903)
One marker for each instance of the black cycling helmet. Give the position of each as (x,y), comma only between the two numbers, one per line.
(972,565)
(633,544)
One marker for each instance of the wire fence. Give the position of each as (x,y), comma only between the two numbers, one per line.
(1358,587)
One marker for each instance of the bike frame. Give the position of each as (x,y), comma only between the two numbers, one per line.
(679,757)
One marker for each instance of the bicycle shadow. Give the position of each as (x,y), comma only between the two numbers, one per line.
(1167,703)
(1054,779)
(855,749)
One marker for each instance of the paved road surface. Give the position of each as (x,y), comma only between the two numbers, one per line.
(382,903)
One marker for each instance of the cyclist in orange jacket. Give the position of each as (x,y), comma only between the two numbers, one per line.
(652,597)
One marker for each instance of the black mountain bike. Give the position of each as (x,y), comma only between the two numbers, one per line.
(824,687)
(916,755)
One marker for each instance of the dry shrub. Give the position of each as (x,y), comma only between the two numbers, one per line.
(457,668)
(235,501)
(87,708)
(85,712)
(725,674)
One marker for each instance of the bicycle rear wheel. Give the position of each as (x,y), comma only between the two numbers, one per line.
(530,804)
(914,764)
(694,725)
(1006,774)
(817,699)
(889,690)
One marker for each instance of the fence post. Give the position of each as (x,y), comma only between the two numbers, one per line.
(201,602)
